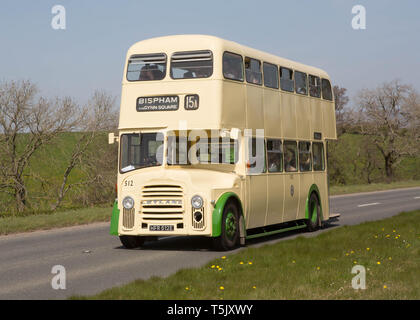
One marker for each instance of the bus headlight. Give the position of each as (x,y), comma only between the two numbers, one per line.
(197,202)
(128,203)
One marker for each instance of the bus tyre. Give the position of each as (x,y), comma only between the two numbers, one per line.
(229,237)
(314,213)
(131,242)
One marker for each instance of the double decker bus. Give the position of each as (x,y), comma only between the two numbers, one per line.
(220,140)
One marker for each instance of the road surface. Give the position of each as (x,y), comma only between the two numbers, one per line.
(95,261)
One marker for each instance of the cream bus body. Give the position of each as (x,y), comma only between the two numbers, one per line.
(224,104)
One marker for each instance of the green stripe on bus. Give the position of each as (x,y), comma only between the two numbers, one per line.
(312,189)
(218,212)
(114,220)
(269,233)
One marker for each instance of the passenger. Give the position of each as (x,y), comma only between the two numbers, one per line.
(290,161)
(229,70)
(274,161)
(146,73)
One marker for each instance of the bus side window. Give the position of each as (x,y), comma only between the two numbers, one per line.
(286,79)
(326,90)
(253,71)
(290,156)
(274,156)
(300,83)
(233,66)
(305,159)
(318,154)
(314,86)
(271,75)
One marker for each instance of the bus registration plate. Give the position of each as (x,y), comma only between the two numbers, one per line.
(165,227)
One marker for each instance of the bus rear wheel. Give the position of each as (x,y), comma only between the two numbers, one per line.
(314,213)
(132,242)
(229,237)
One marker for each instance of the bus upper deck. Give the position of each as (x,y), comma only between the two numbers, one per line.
(212,83)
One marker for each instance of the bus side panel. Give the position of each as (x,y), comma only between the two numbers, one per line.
(288,115)
(233,111)
(291,196)
(256,200)
(316,116)
(329,120)
(275,187)
(272,118)
(303,113)
(254,108)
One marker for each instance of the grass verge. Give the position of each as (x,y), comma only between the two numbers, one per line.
(59,219)
(338,190)
(303,268)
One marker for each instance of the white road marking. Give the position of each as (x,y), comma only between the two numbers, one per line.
(416,197)
(368,204)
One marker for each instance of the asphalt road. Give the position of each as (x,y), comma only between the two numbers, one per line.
(95,261)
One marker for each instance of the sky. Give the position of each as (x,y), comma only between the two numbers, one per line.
(89,54)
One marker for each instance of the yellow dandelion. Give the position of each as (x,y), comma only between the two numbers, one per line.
(223,257)
(393,231)
(368,249)
(347,254)
(389,258)
(249,262)
(385,286)
(387,235)
(378,262)
(186,288)
(254,287)
(317,268)
(241,262)
(217,267)
(213,266)
(222,288)
(376,237)
(355,262)
(293,261)
(351,251)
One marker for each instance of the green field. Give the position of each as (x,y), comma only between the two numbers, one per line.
(58,219)
(302,268)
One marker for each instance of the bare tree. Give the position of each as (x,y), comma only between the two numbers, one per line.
(341,100)
(96,117)
(27,121)
(386,115)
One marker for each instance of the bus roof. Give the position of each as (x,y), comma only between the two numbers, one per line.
(174,43)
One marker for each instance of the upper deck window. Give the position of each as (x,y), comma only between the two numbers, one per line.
(145,67)
(253,71)
(192,64)
(314,86)
(286,79)
(300,83)
(233,66)
(271,76)
(326,90)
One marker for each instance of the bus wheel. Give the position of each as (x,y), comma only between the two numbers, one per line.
(314,213)
(229,237)
(131,242)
